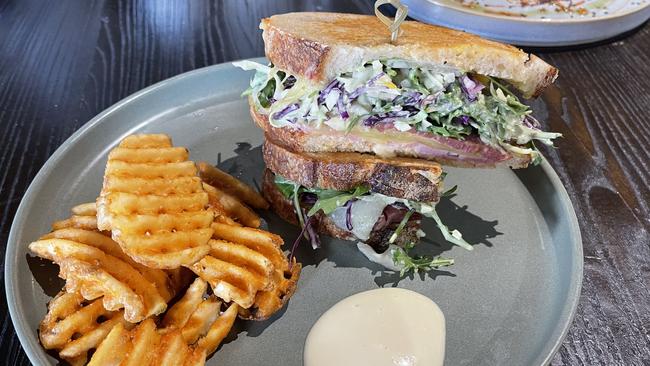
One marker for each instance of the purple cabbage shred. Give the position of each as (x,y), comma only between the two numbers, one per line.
(311,233)
(286,110)
(360,90)
(333,85)
(431,98)
(463,120)
(356,92)
(372,80)
(471,88)
(314,239)
(412,98)
(348,214)
(289,82)
(531,122)
(385,117)
(341,107)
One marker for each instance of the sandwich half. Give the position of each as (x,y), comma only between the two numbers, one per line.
(336,84)
(354,196)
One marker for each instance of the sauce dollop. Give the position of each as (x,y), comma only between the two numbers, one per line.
(387,326)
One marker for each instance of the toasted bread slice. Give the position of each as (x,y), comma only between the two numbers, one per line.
(324,225)
(469,153)
(413,179)
(319,46)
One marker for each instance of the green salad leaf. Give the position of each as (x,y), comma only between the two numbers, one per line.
(450,192)
(400,227)
(329,200)
(407,263)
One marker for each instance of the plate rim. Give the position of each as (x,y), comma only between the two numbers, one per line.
(29,338)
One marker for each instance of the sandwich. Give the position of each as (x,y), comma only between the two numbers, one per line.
(356,127)
(336,84)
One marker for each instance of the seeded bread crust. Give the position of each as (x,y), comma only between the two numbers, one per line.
(300,141)
(319,46)
(323,224)
(413,179)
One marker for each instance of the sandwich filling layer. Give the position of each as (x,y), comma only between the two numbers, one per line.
(363,213)
(443,110)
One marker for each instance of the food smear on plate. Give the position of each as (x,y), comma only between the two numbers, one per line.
(545,9)
(381,327)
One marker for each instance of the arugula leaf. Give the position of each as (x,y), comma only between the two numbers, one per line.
(329,200)
(494,81)
(454,236)
(286,187)
(415,81)
(353,122)
(537,156)
(266,93)
(415,264)
(450,191)
(291,191)
(400,227)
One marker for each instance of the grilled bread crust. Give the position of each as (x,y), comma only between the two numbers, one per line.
(319,46)
(323,224)
(412,179)
(297,140)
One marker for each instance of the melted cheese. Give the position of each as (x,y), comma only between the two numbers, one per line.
(364,214)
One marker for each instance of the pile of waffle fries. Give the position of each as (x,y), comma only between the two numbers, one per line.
(158,268)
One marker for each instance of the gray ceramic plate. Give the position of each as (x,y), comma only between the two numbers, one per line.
(509,302)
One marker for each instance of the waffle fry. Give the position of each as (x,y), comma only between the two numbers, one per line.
(192,329)
(154,204)
(284,277)
(235,272)
(85,209)
(247,266)
(168,282)
(76,221)
(231,185)
(268,302)
(231,206)
(261,241)
(93,273)
(163,281)
(74,327)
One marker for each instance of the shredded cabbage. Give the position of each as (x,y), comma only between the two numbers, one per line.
(406,96)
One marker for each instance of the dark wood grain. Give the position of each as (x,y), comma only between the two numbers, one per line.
(62,62)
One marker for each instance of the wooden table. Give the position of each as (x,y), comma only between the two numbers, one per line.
(63,62)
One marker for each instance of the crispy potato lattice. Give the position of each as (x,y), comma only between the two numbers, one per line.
(231,185)
(156,226)
(94,266)
(225,205)
(154,204)
(191,330)
(247,266)
(73,326)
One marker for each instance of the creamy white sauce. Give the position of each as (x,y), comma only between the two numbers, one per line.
(382,327)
